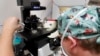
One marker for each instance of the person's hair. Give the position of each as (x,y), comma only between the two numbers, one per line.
(94,2)
(90,44)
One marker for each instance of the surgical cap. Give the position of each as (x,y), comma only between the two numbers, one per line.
(85,26)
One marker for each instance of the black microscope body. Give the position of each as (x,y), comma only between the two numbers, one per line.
(30,21)
(33,41)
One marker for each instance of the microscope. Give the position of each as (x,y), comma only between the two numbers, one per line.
(31,21)
(36,39)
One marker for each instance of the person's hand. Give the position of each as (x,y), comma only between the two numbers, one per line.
(11,24)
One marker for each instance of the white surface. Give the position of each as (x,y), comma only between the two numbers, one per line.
(44,51)
(55,12)
(57,3)
(54,34)
(8,8)
(70,2)
(48,12)
(50,25)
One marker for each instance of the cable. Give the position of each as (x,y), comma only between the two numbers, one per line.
(62,38)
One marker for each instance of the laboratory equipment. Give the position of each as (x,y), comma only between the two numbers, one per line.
(36,31)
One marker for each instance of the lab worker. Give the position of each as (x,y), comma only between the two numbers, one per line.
(6,39)
(79,28)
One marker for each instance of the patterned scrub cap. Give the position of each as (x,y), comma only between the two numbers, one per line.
(85,26)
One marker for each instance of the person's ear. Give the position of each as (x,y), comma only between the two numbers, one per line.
(73,41)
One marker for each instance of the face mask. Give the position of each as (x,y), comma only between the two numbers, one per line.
(62,38)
